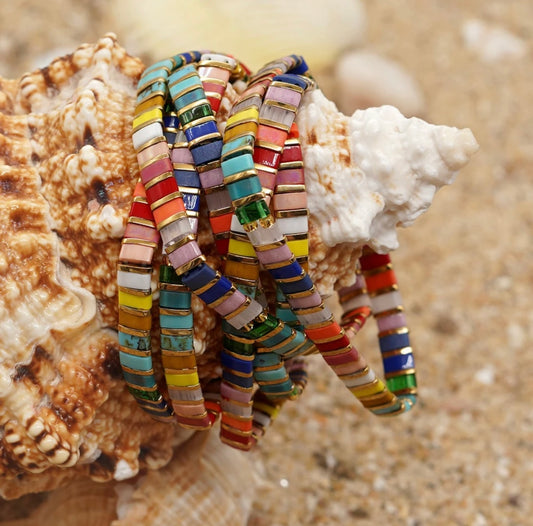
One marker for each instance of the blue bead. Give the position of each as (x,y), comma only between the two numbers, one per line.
(215,292)
(399,362)
(296,286)
(301,68)
(289,271)
(170,137)
(189,98)
(394,341)
(171,121)
(232,362)
(291,79)
(199,276)
(238,380)
(191,201)
(187,178)
(200,130)
(205,153)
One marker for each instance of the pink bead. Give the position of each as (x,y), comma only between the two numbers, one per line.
(136,254)
(181,155)
(275,255)
(267,179)
(141,232)
(189,410)
(230,304)
(234,394)
(394,321)
(290,176)
(304,303)
(157,168)
(285,95)
(292,201)
(156,149)
(211,178)
(212,72)
(184,254)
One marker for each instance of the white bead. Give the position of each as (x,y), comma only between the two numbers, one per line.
(315,317)
(147,133)
(384,302)
(362,300)
(236,226)
(360,380)
(134,280)
(293,225)
(265,236)
(179,228)
(247,315)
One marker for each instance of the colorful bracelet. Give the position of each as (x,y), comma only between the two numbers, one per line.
(253,181)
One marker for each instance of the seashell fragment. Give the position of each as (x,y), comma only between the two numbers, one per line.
(67,170)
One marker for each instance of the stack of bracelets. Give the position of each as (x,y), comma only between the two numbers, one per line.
(253,181)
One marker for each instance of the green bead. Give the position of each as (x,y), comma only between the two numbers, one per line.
(198,112)
(401,382)
(252,212)
(244,349)
(167,274)
(144,395)
(262,328)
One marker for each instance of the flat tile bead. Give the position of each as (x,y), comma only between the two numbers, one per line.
(132,321)
(242,270)
(184,254)
(338,359)
(367,378)
(293,225)
(175,322)
(239,163)
(290,176)
(234,379)
(134,280)
(229,392)
(179,360)
(206,153)
(232,303)
(136,231)
(187,178)
(191,201)
(187,395)
(361,300)
(161,189)
(141,210)
(275,255)
(177,343)
(398,383)
(212,177)
(297,286)
(394,321)
(315,317)
(182,380)
(299,247)
(188,410)
(212,87)
(250,114)
(147,116)
(152,151)
(394,341)
(276,114)
(241,248)
(247,315)
(292,79)
(181,155)
(175,206)
(287,96)
(147,133)
(221,287)
(174,300)
(134,301)
(380,281)
(199,276)
(200,130)
(398,362)
(267,157)
(321,333)
(373,260)
(385,302)
(134,342)
(291,270)
(214,73)
(290,201)
(264,236)
(136,253)
(270,134)
(190,97)
(139,379)
(244,128)
(155,169)
(339,343)
(176,88)
(306,302)
(155,89)
(221,223)
(140,363)
(244,188)
(175,230)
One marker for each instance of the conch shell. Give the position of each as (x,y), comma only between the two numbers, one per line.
(66,176)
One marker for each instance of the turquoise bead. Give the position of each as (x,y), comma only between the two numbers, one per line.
(168,321)
(139,379)
(139,343)
(141,363)
(174,300)
(176,343)
(244,188)
(237,164)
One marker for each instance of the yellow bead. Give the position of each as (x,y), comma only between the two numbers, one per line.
(375,387)
(271,411)
(182,380)
(155,114)
(241,248)
(134,301)
(299,247)
(250,114)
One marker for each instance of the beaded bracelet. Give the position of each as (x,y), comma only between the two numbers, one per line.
(257,162)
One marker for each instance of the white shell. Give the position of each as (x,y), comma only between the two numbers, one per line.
(373,171)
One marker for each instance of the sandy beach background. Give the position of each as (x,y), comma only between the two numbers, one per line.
(464,456)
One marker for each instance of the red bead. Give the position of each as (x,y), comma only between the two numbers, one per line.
(141,210)
(266,157)
(291,153)
(161,189)
(373,260)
